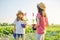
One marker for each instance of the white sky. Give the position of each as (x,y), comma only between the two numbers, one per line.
(9,8)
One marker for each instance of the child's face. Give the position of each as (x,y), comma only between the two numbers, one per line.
(21,16)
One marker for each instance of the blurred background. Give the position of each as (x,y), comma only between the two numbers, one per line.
(9,9)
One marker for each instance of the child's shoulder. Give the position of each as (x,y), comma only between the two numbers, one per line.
(21,21)
(38,15)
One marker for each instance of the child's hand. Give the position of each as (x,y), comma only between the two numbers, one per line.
(25,22)
(33,26)
(36,25)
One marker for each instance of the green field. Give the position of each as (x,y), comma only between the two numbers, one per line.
(53,32)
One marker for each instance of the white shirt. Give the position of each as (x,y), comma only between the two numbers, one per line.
(19,29)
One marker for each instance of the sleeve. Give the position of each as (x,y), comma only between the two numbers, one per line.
(38,16)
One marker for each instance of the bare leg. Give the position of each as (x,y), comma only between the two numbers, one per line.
(17,38)
(23,38)
(42,38)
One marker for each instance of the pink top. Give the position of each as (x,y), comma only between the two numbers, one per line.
(42,24)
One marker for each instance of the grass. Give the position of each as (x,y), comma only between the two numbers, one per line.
(53,28)
(53,33)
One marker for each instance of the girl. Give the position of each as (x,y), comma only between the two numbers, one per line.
(42,22)
(18,28)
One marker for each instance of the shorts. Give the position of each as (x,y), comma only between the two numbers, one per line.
(40,36)
(19,35)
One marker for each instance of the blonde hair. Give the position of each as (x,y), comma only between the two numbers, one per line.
(42,5)
(19,13)
(41,8)
(44,13)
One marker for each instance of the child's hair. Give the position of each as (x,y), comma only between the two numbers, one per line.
(19,13)
(41,8)
(41,11)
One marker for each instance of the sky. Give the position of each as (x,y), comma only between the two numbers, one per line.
(9,9)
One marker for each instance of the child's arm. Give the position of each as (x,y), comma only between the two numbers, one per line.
(25,21)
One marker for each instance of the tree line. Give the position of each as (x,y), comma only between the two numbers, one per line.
(6,24)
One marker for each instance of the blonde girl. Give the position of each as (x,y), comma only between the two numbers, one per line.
(42,22)
(18,29)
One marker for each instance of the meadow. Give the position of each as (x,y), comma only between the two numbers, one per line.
(53,33)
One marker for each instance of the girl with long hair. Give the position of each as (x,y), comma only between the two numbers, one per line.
(42,22)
